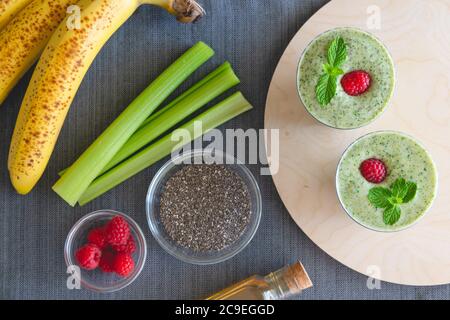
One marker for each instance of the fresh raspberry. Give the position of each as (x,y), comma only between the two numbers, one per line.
(106,263)
(88,256)
(123,264)
(356,82)
(117,231)
(373,170)
(97,237)
(129,247)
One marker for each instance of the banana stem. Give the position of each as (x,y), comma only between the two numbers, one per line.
(186,11)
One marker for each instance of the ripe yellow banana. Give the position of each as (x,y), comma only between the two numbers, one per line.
(9,8)
(58,75)
(24,38)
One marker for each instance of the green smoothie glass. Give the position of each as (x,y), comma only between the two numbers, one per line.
(404,158)
(364,52)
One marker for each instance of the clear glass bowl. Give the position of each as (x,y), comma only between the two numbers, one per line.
(153,206)
(97,280)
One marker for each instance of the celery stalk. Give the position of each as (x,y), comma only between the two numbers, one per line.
(215,116)
(224,66)
(79,176)
(210,87)
(166,120)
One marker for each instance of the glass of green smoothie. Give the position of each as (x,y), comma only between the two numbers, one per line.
(345,78)
(386,181)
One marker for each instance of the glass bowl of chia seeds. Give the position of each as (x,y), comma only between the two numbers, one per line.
(203,207)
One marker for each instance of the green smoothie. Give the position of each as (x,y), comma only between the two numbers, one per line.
(404,158)
(365,52)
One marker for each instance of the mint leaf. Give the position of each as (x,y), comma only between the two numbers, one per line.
(399,188)
(326,89)
(379,197)
(337,71)
(391,215)
(404,191)
(327,84)
(337,52)
(333,71)
(394,200)
(411,193)
(401,191)
(327,68)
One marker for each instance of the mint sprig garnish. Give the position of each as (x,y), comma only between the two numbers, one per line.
(400,192)
(332,71)
(337,52)
(327,83)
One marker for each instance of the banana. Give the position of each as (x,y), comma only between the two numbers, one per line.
(58,75)
(25,37)
(9,8)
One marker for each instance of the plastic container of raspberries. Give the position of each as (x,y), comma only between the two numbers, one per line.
(107,249)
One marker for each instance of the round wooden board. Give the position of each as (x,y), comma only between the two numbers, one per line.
(417,34)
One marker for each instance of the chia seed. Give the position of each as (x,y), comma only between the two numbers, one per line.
(205,207)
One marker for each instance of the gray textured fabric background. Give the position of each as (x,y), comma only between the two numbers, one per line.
(252,35)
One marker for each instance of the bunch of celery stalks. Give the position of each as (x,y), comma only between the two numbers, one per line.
(139,137)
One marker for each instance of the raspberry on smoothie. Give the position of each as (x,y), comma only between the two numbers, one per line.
(356,83)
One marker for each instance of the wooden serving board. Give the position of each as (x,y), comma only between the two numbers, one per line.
(417,33)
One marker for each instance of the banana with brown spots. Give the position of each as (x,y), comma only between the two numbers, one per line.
(25,37)
(9,8)
(58,75)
